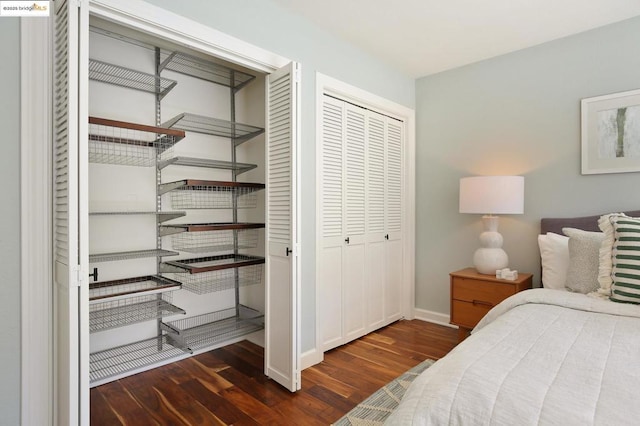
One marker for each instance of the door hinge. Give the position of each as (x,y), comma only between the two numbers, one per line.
(297,74)
(79,278)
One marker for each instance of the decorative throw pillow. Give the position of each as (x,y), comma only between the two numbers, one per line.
(625,256)
(584,254)
(605,223)
(554,255)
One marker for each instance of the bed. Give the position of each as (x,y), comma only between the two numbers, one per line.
(543,356)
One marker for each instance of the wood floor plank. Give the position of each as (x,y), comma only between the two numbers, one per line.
(228,386)
(100,411)
(262,414)
(223,409)
(144,388)
(182,404)
(315,376)
(208,376)
(268,393)
(304,406)
(124,407)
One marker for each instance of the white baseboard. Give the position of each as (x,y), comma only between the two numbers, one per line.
(311,358)
(434,317)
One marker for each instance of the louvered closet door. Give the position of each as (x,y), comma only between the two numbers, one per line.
(353,278)
(331,227)
(71,318)
(394,136)
(282,351)
(375,221)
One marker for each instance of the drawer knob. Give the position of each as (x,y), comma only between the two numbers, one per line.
(481,302)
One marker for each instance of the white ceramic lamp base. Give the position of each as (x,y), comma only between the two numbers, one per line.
(490,256)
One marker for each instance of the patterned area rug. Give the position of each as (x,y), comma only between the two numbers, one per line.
(374,410)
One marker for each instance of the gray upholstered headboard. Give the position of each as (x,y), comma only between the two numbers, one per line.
(587,223)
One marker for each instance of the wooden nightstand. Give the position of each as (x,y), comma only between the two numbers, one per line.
(474,294)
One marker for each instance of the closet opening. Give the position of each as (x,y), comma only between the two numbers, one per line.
(175,197)
(176,182)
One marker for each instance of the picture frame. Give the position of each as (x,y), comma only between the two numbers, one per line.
(611,133)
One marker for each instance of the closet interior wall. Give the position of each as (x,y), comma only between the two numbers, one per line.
(130,189)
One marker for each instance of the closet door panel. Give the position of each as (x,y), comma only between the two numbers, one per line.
(353,280)
(393,179)
(70,292)
(282,351)
(330,295)
(331,226)
(393,280)
(393,220)
(375,279)
(353,307)
(375,221)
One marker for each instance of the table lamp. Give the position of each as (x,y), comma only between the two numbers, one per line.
(491,195)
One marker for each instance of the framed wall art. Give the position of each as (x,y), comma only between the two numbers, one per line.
(611,133)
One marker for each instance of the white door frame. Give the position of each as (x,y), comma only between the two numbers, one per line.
(355,95)
(36,181)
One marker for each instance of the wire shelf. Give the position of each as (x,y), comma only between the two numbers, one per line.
(131,310)
(210,263)
(202,194)
(224,279)
(112,363)
(205,70)
(129,144)
(151,284)
(126,255)
(209,329)
(214,126)
(210,241)
(130,78)
(239,168)
(177,228)
(162,216)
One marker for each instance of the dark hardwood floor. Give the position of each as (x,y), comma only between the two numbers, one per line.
(227,385)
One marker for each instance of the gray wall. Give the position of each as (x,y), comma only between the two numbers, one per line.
(515,114)
(10,223)
(267,25)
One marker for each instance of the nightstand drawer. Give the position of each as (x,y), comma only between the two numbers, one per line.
(474,294)
(468,314)
(470,290)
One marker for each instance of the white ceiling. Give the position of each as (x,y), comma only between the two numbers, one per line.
(423,37)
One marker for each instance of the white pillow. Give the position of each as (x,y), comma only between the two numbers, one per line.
(554,253)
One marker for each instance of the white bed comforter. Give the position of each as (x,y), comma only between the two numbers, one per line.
(541,357)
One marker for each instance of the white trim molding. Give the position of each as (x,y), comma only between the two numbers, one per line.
(167,25)
(311,358)
(357,96)
(35,226)
(433,317)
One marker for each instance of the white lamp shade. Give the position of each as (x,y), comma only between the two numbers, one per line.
(492,195)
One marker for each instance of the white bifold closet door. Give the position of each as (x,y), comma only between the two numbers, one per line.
(282,334)
(71,255)
(360,226)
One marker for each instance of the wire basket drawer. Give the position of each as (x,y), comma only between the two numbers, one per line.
(213,198)
(213,241)
(129,144)
(206,330)
(131,310)
(223,279)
